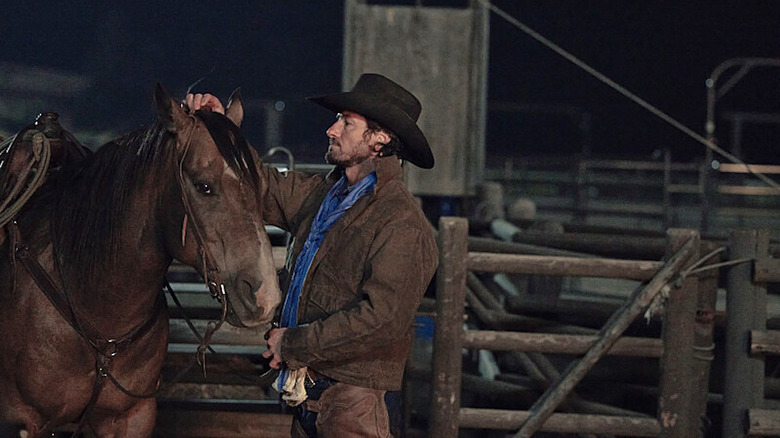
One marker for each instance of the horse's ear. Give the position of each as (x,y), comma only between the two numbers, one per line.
(169,112)
(235,110)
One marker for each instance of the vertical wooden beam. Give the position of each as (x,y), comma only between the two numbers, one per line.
(354,32)
(450,300)
(677,388)
(746,310)
(703,341)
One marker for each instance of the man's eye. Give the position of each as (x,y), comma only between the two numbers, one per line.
(203,188)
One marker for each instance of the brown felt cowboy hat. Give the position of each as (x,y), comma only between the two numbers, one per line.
(389,104)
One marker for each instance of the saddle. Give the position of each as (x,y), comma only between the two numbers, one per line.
(30,157)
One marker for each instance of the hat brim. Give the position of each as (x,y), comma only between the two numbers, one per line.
(416,149)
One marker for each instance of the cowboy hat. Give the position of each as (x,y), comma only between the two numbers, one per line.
(389,104)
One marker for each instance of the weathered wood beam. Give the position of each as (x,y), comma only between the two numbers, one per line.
(679,387)
(763,422)
(179,332)
(486,244)
(216,391)
(743,384)
(563,423)
(563,266)
(450,299)
(766,270)
(200,424)
(765,342)
(562,344)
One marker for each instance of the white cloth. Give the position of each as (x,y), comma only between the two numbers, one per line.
(294,390)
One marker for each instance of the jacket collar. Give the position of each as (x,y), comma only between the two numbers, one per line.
(387,169)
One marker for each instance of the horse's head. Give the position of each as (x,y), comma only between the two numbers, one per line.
(221,231)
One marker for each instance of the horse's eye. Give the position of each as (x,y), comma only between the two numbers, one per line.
(203,188)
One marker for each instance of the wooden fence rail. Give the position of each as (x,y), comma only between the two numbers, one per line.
(226,403)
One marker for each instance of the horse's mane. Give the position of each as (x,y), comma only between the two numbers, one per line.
(90,198)
(232,144)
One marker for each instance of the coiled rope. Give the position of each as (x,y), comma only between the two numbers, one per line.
(28,179)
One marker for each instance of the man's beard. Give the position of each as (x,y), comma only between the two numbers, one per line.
(332,158)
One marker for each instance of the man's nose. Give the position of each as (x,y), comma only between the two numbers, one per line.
(333,131)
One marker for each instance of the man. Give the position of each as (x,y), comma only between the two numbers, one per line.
(360,260)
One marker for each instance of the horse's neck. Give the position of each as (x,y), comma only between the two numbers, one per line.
(125,288)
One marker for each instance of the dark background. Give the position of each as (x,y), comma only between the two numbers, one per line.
(539,103)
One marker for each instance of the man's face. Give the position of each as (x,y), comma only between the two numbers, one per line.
(348,144)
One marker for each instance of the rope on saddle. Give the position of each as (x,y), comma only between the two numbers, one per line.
(27,181)
(29,157)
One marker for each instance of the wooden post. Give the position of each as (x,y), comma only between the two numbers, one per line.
(677,388)
(440,55)
(746,310)
(617,324)
(450,300)
(703,341)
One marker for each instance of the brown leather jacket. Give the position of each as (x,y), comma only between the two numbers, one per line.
(365,283)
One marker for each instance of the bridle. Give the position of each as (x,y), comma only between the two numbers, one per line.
(211,274)
(105,348)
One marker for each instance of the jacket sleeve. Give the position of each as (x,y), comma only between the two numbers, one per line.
(284,193)
(401,263)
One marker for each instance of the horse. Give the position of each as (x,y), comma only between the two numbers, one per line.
(83,318)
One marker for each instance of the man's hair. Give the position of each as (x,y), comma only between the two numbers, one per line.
(393,147)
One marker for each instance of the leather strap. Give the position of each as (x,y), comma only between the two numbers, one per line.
(108,347)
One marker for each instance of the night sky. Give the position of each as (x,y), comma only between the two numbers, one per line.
(662,51)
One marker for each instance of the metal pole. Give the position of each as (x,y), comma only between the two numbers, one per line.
(713,94)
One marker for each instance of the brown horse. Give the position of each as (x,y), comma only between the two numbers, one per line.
(83,323)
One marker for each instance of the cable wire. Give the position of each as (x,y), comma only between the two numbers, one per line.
(622,90)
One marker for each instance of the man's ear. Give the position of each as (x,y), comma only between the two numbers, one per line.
(381,138)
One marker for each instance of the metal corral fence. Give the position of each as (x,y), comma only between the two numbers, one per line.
(681,287)
(651,195)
